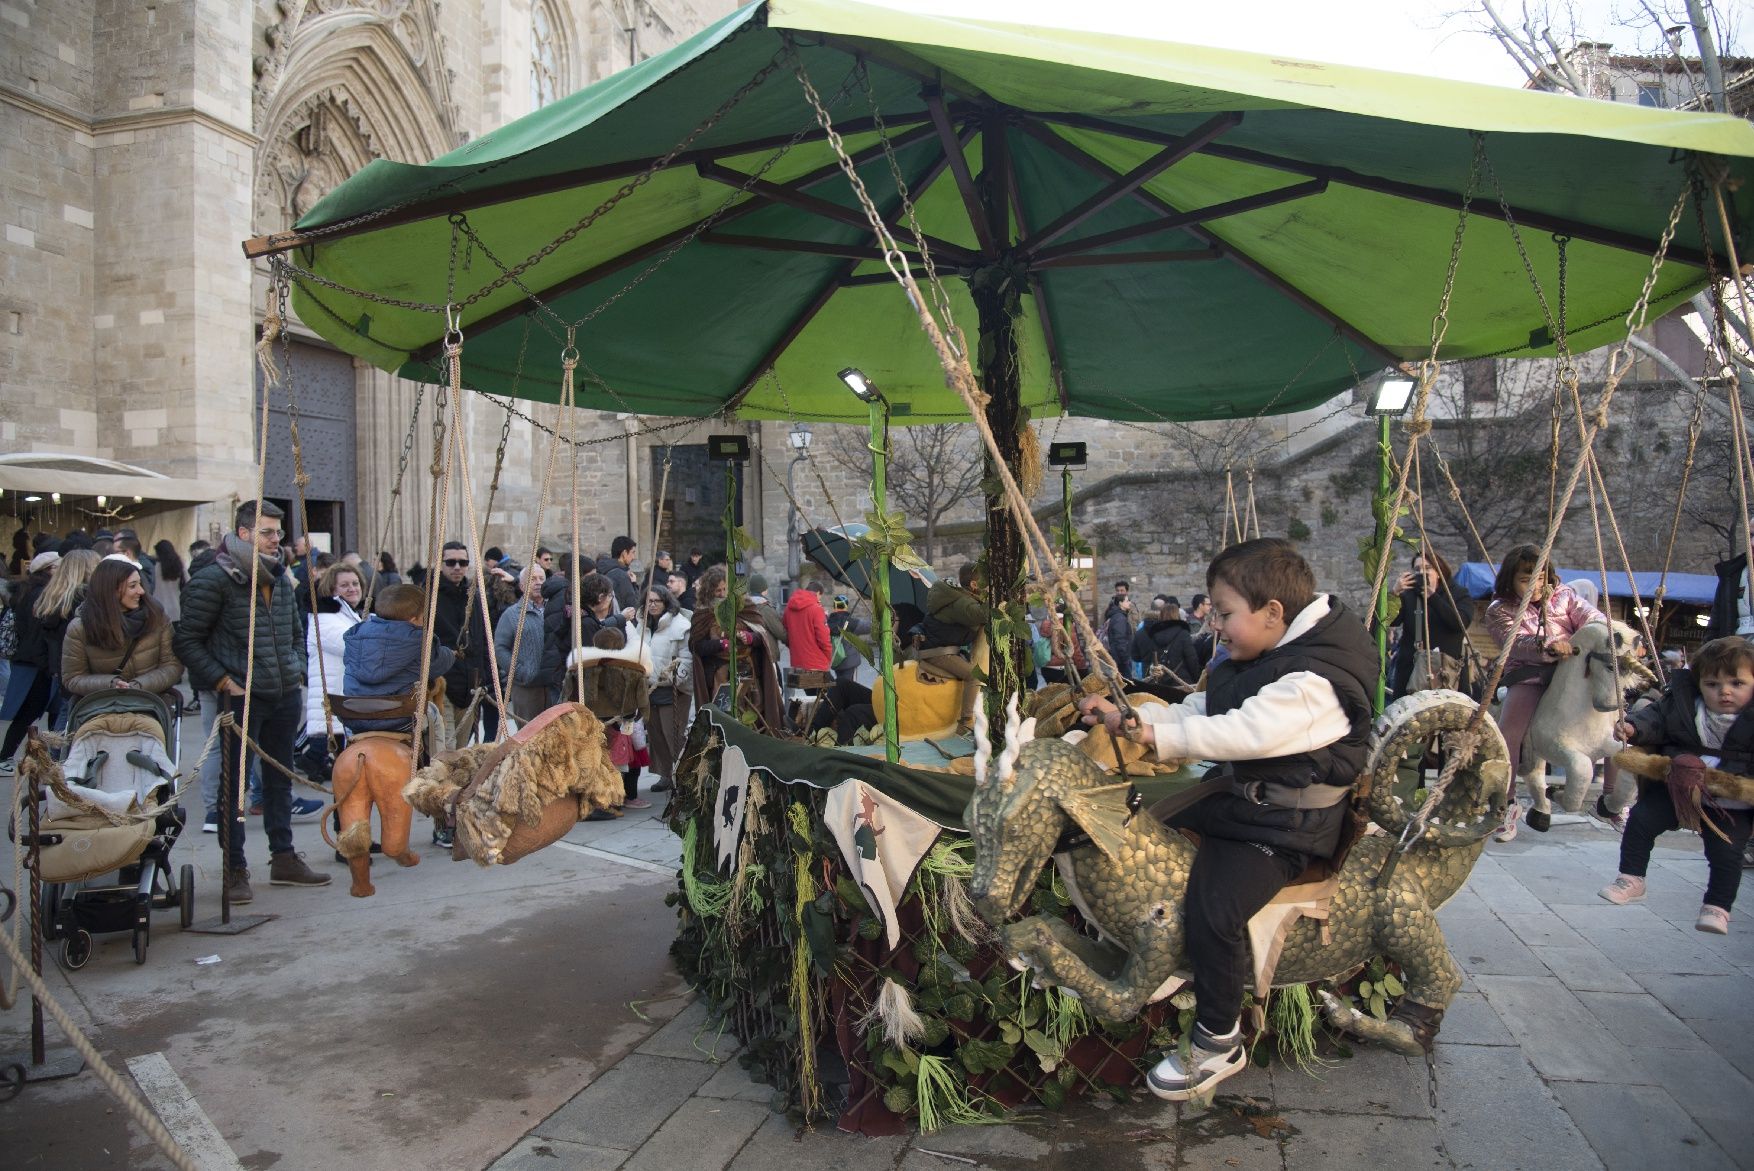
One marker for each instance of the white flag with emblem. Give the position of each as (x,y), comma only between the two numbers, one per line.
(883,842)
(728,807)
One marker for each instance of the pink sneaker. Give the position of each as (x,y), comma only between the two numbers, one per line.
(1713,920)
(1625,889)
(1507,831)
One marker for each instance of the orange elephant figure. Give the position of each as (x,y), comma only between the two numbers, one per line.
(370,771)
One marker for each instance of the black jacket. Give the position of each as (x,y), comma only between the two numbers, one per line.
(34,642)
(626,589)
(1448,612)
(1724,618)
(1171,644)
(1668,726)
(1339,650)
(469,671)
(212,637)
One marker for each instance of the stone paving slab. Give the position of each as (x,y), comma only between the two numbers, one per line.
(1731,1039)
(1348,1142)
(691,1037)
(1584,969)
(1561,1037)
(1544,930)
(777,1143)
(626,1106)
(1494,1113)
(1372,1081)
(1469,1020)
(1637,1128)
(1720,997)
(1710,1086)
(1486,947)
(703,1135)
(733,1081)
(1674,954)
(534,1153)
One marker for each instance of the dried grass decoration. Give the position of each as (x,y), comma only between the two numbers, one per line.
(520,795)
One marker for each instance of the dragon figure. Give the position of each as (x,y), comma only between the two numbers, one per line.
(1128,873)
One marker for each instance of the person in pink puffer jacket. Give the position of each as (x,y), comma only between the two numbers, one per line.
(1543,637)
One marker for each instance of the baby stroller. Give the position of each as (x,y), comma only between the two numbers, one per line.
(109,817)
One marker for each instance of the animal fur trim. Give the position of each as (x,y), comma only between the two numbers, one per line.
(123,724)
(1655,767)
(568,758)
(355,840)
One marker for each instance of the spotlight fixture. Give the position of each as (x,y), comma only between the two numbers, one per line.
(862,387)
(1392,396)
(1066,455)
(730,448)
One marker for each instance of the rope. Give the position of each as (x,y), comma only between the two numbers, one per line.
(272,324)
(441,503)
(569,360)
(9,986)
(454,355)
(137,1109)
(1737,418)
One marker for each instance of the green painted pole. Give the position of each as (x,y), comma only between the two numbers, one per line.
(1384,527)
(880,581)
(730,631)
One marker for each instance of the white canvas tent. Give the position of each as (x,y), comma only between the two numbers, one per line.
(63,491)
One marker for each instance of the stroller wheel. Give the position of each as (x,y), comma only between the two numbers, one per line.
(186,894)
(76,950)
(142,937)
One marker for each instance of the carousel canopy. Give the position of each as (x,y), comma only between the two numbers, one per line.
(1197,233)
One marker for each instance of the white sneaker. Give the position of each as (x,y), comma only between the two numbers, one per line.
(1627,888)
(1507,831)
(6,768)
(1209,1061)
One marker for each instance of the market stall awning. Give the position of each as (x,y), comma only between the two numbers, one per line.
(1688,589)
(1195,233)
(43,473)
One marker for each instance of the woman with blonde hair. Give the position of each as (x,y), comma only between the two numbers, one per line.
(44,608)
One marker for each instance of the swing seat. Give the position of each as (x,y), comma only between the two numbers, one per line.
(924,707)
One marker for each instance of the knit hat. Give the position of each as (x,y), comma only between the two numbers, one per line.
(44,560)
(757,584)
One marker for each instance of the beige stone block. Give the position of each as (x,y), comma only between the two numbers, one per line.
(152,317)
(21,236)
(144,437)
(66,53)
(15,15)
(147,102)
(82,425)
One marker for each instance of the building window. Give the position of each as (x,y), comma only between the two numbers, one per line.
(547,55)
(1480,380)
(1650,93)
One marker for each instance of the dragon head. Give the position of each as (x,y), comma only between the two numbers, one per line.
(1017,813)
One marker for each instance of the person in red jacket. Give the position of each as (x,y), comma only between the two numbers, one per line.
(807,629)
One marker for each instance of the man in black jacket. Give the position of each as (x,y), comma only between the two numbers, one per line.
(460,625)
(213,640)
(622,551)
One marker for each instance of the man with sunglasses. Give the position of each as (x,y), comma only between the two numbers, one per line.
(460,625)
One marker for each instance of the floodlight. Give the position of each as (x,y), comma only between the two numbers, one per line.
(1067,455)
(859,384)
(730,448)
(1392,396)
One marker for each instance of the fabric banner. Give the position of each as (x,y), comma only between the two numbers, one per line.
(728,811)
(883,842)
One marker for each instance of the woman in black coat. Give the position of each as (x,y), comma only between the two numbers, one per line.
(1173,640)
(1435,613)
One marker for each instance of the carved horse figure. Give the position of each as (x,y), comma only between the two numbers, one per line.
(1573,725)
(369,772)
(1132,874)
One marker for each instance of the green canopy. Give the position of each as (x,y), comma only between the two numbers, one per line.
(1196,233)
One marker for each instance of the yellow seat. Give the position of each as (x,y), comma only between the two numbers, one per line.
(926,708)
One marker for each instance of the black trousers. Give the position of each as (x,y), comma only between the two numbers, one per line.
(34,704)
(1655,814)
(1230,881)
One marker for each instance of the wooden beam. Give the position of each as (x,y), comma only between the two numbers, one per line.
(1237,257)
(1183,219)
(1124,186)
(1435,196)
(1095,259)
(776,244)
(441,200)
(814,205)
(952,144)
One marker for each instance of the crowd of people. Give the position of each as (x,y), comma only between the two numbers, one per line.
(86,612)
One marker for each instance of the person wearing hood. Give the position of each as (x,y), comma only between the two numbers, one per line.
(460,625)
(214,641)
(807,629)
(1172,645)
(664,633)
(28,688)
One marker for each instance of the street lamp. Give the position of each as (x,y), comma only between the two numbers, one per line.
(866,392)
(1389,398)
(799,438)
